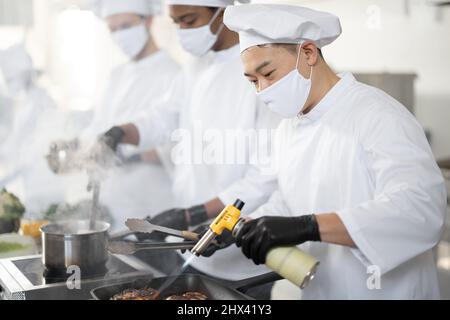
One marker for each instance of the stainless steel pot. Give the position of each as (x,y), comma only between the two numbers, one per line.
(72,243)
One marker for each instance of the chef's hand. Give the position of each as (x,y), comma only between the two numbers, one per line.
(257,237)
(62,154)
(221,242)
(179,219)
(104,150)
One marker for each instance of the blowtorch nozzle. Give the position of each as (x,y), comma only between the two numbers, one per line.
(203,243)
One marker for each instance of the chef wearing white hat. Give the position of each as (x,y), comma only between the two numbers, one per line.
(133,89)
(196,35)
(358,186)
(209,96)
(35,121)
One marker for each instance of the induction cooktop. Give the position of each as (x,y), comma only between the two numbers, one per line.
(24,278)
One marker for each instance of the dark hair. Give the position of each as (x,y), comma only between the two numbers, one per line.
(292,48)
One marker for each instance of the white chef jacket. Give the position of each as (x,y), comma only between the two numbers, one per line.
(133,90)
(211,94)
(361,154)
(6,119)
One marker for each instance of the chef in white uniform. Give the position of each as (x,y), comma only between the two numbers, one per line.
(7,114)
(134,88)
(358,184)
(35,121)
(210,98)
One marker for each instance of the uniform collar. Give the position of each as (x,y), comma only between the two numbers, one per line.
(329,101)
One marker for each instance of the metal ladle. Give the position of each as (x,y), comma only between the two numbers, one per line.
(94,186)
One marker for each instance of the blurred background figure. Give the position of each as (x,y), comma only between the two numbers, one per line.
(33,121)
(5,112)
(142,186)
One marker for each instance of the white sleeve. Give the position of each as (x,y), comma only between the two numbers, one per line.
(156,127)
(276,206)
(406,215)
(101,104)
(259,181)
(91,131)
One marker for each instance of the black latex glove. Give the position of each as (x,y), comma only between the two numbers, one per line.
(221,242)
(179,219)
(113,137)
(104,150)
(258,236)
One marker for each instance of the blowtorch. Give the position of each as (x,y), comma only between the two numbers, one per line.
(289,262)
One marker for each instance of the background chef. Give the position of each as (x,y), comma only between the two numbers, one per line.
(134,89)
(209,95)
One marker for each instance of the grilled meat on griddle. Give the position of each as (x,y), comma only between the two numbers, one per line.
(188,296)
(137,294)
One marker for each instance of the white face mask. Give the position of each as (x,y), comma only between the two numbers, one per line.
(19,83)
(132,40)
(288,95)
(198,41)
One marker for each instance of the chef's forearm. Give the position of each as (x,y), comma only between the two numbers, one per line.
(214,207)
(332,230)
(131,134)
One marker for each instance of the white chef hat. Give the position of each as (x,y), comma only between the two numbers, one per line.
(14,61)
(106,8)
(268,23)
(205,3)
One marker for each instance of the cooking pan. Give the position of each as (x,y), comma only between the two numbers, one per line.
(214,289)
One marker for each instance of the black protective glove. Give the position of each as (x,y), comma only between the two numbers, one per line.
(179,219)
(104,150)
(221,242)
(113,137)
(258,236)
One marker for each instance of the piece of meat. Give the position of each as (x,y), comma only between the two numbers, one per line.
(137,294)
(188,296)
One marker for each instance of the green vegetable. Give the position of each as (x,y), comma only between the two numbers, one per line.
(51,212)
(11,246)
(10,206)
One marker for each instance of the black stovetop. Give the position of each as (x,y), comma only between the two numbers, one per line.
(34,270)
(23,278)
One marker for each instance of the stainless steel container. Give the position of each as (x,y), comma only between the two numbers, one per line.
(72,243)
